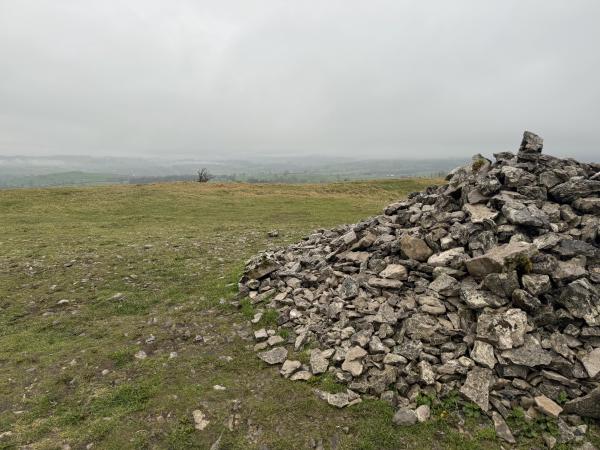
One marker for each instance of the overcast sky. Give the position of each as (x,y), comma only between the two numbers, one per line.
(242,77)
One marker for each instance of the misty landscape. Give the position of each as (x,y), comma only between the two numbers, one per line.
(268,225)
(23,171)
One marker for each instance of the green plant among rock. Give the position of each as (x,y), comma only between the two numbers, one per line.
(522,264)
(477,164)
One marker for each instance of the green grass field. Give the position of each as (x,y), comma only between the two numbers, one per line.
(91,276)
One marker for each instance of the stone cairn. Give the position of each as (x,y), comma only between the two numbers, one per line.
(488,285)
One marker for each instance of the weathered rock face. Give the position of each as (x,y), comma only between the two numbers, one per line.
(415,248)
(488,285)
(502,258)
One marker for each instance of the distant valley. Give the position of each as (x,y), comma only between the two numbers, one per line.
(28,171)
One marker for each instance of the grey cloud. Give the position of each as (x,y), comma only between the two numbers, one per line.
(236,78)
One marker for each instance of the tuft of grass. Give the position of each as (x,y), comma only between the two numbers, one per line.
(477,164)
(327,383)
(284,333)
(246,308)
(126,398)
(269,318)
(122,357)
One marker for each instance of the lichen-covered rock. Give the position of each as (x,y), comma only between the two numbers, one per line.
(501,259)
(276,355)
(476,387)
(585,406)
(504,329)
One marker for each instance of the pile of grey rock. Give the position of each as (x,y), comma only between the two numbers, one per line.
(488,285)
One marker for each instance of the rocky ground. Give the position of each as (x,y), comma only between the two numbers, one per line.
(487,286)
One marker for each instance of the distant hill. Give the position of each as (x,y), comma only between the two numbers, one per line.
(27,171)
(61,179)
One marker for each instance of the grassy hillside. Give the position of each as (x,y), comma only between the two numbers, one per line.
(89,277)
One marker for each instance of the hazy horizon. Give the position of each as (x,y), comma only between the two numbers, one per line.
(239,79)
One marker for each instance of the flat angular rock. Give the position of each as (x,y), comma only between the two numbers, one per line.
(530,354)
(515,177)
(500,259)
(445,284)
(318,363)
(566,271)
(588,205)
(504,330)
(300,341)
(582,300)
(339,400)
(476,387)
(276,355)
(426,373)
(349,288)
(289,367)
(376,346)
(346,239)
(395,272)
(574,247)
(274,340)
(503,284)
(431,305)
(536,284)
(525,215)
(547,241)
(573,189)
(502,430)
(352,362)
(386,314)
(261,267)
(405,416)
(531,143)
(358,257)
(261,335)
(301,375)
(585,406)
(526,301)
(421,326)
(591,362)
(483,354)
(547,406)
(385,283)
(478,299)
(453,258)
(415,248)
(392,358)
(423,413)
(480,213)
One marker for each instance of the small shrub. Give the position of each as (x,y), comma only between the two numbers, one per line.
(477,165)
(562,398)
(522,264)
